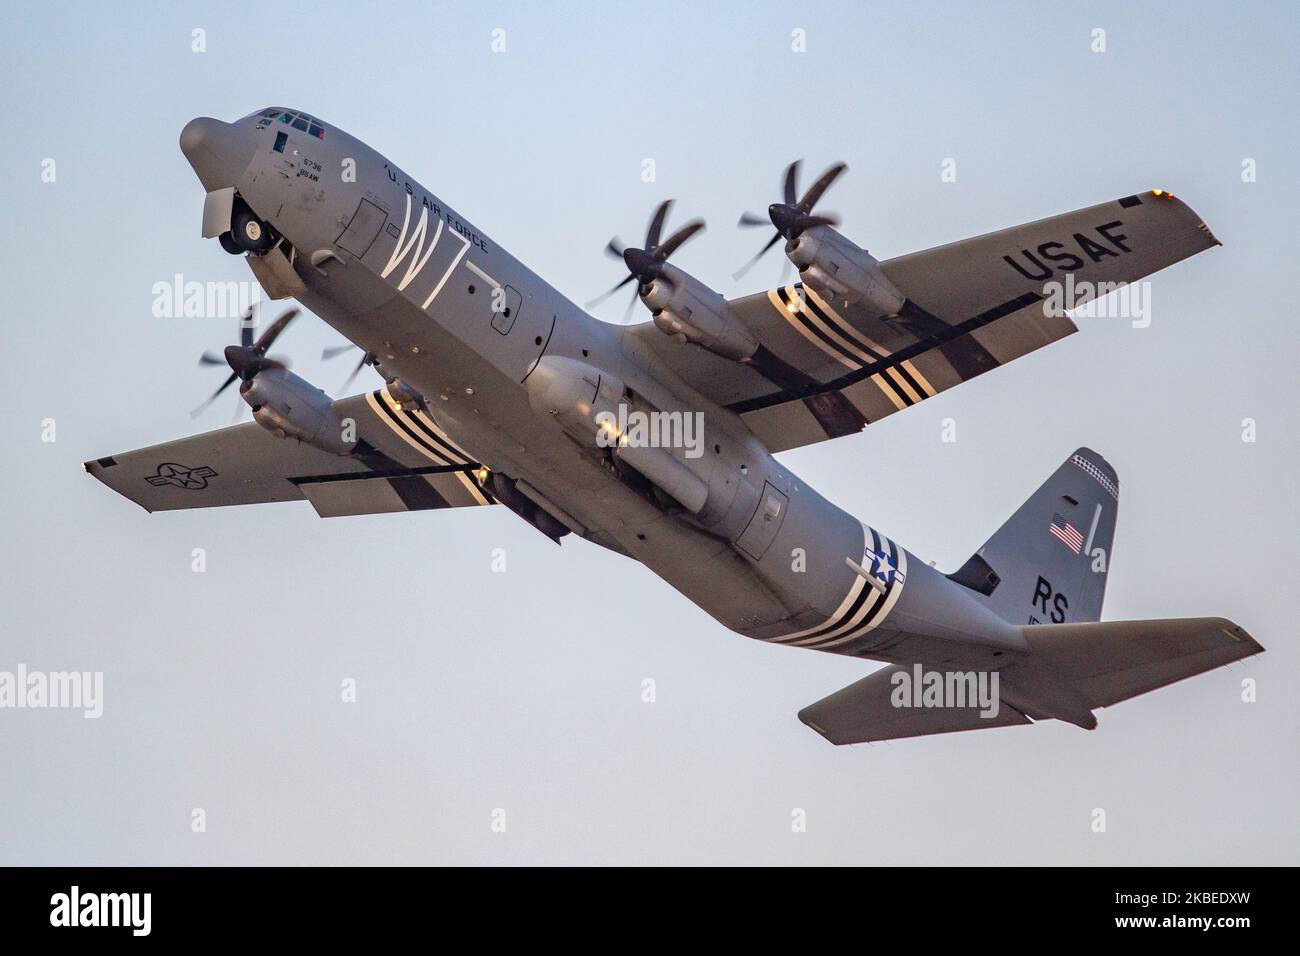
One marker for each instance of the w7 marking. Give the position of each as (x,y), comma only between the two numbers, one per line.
(421,255)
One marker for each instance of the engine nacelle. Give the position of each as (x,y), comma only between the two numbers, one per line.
(832,264)
(690,312)
(289,407)
(405,396)
(578,395)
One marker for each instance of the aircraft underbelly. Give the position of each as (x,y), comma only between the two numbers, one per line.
(769,564)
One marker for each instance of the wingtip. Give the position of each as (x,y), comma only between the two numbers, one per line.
(812,725)
(1240,635)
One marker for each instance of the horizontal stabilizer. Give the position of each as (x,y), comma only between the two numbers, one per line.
(1071,669)
(1114,660)
(865,711)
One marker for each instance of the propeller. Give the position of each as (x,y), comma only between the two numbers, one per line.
(248,357)
(792,216)
(644,264)
(367,358)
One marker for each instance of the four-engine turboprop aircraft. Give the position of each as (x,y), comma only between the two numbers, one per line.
(657,440)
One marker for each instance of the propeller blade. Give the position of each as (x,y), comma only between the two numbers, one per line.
(749,219)
(278,326)
(246,325)
(675,241)
(365,360)
(808,222)
(750,264)
(791,175)
(615,249)
(815,192)
(336,351)
(627,313)
(599,299)
(213,397)
(657,224)
(207,358)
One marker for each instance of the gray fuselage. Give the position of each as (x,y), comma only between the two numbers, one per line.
(490,345)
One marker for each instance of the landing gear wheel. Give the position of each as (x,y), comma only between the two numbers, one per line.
(248,233)
(229,245)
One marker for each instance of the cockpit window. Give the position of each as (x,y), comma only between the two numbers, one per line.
(308,124)
(300,121)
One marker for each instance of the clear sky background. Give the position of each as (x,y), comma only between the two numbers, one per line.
(522,691)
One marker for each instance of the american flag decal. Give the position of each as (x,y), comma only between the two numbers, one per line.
(1066,532)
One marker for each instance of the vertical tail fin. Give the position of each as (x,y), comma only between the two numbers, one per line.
(1048,563)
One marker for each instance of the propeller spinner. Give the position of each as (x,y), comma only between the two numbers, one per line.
(248,357)
(644,264)
(792,216)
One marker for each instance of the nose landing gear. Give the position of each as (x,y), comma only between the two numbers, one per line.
(247,232)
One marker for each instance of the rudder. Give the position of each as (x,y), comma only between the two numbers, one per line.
(1048,563)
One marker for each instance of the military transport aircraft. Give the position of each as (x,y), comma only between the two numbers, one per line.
(499,390)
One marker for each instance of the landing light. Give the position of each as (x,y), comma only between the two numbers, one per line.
(1162,192)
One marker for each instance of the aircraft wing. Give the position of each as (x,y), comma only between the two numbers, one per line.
(404,462)
(971,306)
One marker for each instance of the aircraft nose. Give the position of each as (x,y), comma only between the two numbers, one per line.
(219,152)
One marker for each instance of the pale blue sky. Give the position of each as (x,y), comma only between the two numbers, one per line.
(522,690)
